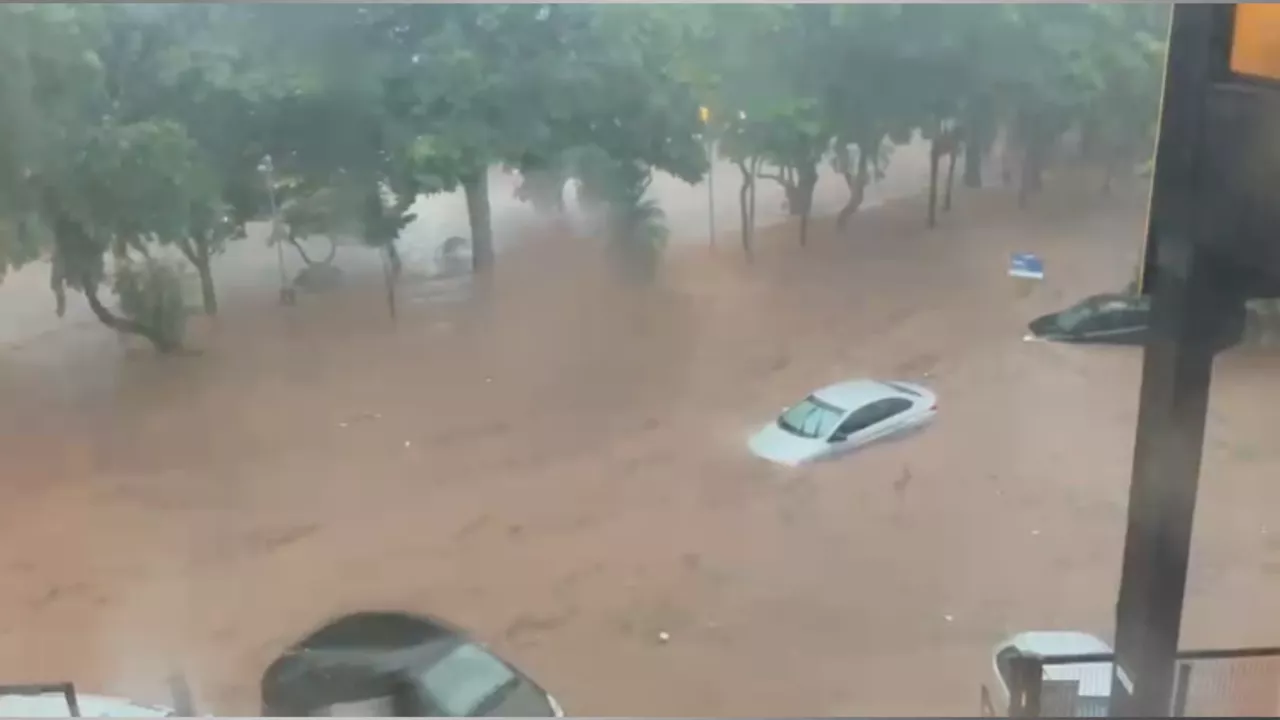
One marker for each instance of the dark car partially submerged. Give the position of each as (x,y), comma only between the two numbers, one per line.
(392,664)
(1112,319)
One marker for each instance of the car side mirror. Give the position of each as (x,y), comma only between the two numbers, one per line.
(838,437)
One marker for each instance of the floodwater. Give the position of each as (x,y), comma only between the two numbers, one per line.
(558,465)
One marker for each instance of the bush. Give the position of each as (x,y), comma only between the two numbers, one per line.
(151,294)
(638,231)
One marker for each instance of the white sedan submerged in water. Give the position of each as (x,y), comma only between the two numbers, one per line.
(841,417)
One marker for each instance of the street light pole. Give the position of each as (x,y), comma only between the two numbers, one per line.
(704,114)
(267,168)
(711,190)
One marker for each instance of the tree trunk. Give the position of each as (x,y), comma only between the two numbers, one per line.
(972,159)
(125,325)
(58,282)
(196,251)
(333,251)
(1032,180)
(1033,159)
(951,179)
(476,187)
(934,159)
(743,210)
(857,189)
(807,180)
(751,215)
(208,294)
(1038,158)
(204,266)
(393,259)
(391,274)
(1024,183)
(1011,146)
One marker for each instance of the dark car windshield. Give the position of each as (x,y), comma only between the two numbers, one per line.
(811,418)
(1072,317)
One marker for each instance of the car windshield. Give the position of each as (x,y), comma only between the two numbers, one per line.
(465,679)
(1071,318)
(811,418)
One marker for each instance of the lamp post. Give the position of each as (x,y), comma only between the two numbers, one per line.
(267,168)
(704,114)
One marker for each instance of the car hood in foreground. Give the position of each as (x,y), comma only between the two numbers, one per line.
(777,445)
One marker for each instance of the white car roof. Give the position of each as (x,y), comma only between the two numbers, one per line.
(1056,643)
(1094,678)
(852,394)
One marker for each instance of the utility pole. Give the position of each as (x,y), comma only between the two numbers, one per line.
(267,168)
(1210,246)
(704,114)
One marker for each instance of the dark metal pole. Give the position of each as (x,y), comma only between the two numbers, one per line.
(1180,693)
(711,189)
(1186,309)
(1027,683)
(1191,299)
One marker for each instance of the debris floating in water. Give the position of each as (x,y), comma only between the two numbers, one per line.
(664,637)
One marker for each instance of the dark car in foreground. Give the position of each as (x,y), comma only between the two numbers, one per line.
(1112,319)
(393,664)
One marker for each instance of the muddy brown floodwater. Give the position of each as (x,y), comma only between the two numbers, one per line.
(560,467)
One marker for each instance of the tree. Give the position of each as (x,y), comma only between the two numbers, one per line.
(128,186)
(178,64)
(78,173)
(50,73)
(719,57)
(1058,75)
(128,129)
(447,91)
(1120,121)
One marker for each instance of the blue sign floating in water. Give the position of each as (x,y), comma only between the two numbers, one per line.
(1026,265)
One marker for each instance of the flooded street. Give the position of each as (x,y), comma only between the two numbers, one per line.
(558,465)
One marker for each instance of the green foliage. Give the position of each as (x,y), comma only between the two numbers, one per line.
(128,126)
(636,226)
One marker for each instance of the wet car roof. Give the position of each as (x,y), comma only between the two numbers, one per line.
(353,658)
(855,393)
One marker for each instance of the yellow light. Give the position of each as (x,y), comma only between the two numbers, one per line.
(1255,42)
(704,114)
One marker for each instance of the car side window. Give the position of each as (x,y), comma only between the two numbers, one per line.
(870,414)
(895,405)
(1097,321)
(861,418)
(1119,320)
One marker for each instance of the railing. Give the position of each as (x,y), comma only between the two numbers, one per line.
(66,689)
(182,702)
(1209,683)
